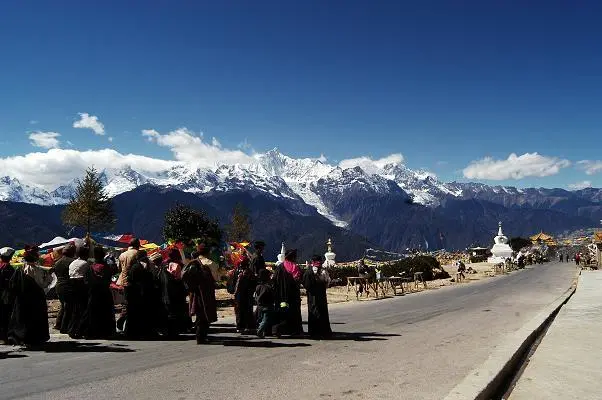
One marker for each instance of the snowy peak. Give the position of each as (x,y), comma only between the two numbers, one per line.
(186,178)
(290,169)
(118,181)
(11,189)
(241,177)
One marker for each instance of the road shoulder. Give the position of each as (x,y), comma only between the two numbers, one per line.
(566,365)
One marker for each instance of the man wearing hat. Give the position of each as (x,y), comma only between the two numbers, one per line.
(6,302)
(257,261)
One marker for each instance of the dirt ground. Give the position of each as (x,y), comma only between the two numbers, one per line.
(336,294)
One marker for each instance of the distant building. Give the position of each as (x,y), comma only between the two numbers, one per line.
(543,238)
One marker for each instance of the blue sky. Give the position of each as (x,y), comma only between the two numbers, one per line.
(443,83)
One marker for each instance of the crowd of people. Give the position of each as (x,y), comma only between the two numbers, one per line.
(165,295)
(277,294)
(578,258)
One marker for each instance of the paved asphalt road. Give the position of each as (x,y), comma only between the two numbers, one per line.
(417,346)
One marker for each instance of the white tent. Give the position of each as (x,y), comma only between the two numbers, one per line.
(60,241)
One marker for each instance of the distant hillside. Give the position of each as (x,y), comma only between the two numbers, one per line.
(141,211)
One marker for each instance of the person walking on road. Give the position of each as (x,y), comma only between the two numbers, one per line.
(61,269)
(287,278)
(6,299)
(257,260)
(264,296)
(198,279)
(99,321)
(29,320)
(78,298)
(243,296)
(316,281)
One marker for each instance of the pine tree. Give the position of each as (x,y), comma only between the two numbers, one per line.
(183,223)
(517,243)
(90,208)
(240,225)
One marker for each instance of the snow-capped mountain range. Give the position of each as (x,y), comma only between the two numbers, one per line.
(310,181)
(273,173)
(301,201)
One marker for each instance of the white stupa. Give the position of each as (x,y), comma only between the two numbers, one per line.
(500,250)
(329,256)
(280,256)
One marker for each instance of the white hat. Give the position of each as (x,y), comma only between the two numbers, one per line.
(7,252)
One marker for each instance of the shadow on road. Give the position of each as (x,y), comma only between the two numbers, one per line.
(251,342)
(78,347)
(9,354)
(361,336)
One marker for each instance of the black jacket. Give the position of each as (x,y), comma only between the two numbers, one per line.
(264,295)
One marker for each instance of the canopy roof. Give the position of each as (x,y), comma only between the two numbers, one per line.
(541,236)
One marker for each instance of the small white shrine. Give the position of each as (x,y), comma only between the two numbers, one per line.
(329,256)
(280,257)
(500,250)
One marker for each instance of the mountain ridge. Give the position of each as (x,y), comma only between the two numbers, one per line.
(389,205)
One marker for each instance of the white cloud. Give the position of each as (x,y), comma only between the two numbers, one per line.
(59,166)
(580,185)
(190,147)
(515,167)
(322,159)
(46,140)
(110,138)
(246,147)
(33,122)
(369,165)
(590,167)
(88,121)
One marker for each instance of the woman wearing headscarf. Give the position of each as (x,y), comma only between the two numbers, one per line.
(6,299)
(316,281)
(142,299)
(100,314)
(174,310)
(29,320)
(287,294)
(78,298)
(199,281)
(61,269)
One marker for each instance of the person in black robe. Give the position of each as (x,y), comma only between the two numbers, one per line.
(200,284)
(287,296)
(77,303)
(61,269)
(243,296)
(142,299)
(257,260)
(257,265)
(99,319)
(6,299)
(173,309)
(316,281)
(29,320)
